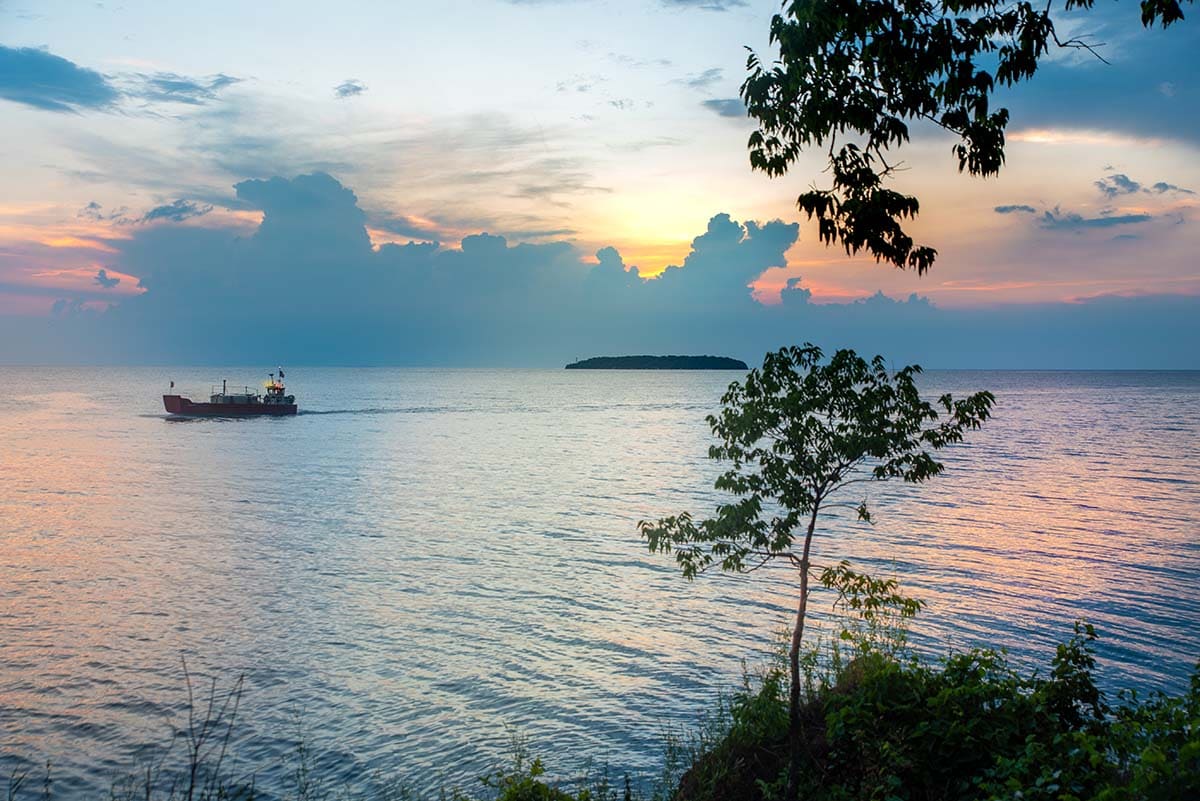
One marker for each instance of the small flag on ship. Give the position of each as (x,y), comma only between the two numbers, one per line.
(280,372)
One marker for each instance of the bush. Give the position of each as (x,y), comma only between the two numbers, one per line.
(895,729)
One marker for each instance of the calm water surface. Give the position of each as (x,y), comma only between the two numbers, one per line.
(424,556)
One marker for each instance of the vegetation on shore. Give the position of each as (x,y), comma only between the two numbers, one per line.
(659,363)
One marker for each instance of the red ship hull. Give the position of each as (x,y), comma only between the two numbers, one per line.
(184,407)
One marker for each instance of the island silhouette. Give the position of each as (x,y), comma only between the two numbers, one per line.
(658,363)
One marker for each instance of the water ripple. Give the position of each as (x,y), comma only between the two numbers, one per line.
(423,556)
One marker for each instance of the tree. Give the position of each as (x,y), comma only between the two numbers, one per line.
(798,432)
(852,74)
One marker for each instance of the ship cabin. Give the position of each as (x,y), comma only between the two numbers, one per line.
(244,395)
(239,395)
(275,393)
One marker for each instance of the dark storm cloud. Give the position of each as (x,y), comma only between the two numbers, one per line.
(178,211)
(1011,209)
(726,107)
(350,88)
(43,80)
(308,287)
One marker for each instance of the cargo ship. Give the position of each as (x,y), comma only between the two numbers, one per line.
(243,403)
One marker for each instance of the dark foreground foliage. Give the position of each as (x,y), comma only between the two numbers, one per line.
(970,728)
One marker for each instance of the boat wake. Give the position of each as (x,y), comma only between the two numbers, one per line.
(379,410)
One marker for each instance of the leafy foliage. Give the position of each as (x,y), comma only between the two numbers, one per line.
(972,728)
(796,432)
(853,74)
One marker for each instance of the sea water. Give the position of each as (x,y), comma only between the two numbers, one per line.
(424,558)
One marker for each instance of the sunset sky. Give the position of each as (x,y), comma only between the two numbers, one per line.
(574,126)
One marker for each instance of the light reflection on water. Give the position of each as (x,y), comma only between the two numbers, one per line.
(424,555)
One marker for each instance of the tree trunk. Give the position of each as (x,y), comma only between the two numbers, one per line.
(795,741)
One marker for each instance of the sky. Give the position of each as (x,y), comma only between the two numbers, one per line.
(522,183)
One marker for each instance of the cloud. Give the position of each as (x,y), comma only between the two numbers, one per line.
(1128,96)
(702,80)
(637,63)
(1119,184)
(319,293)
(705,5)
(1056,220)
(579,83)
(178,211)
(1021,207)
(726,107)
(1162,186)
(349,88)
(63,306)
(94,211)
(414,227)
(43,80)
(103,280)
(168,87)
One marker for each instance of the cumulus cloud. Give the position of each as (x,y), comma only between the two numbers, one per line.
(43,80)
(103,280)
(349,88)
(726,107)
(1012,209)
(311,288)
(178,211)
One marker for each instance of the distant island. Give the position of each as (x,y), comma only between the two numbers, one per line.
(659,363)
